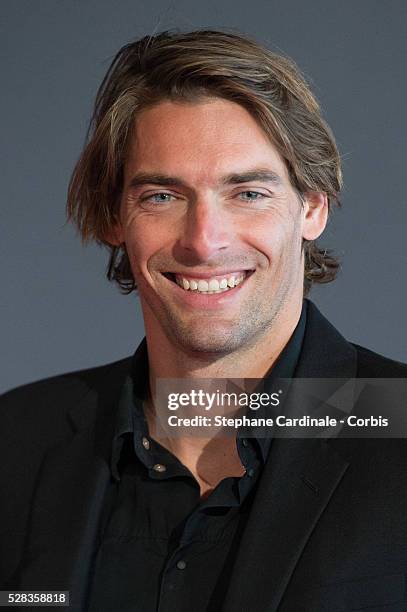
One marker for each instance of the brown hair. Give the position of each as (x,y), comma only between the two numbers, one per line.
(185,66)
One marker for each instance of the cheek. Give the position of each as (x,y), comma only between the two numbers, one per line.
(146,241)
(274,240)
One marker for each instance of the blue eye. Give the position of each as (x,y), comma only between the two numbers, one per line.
(160,197)
(253,195)
(157,198)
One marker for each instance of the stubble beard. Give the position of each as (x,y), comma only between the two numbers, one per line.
(209,334)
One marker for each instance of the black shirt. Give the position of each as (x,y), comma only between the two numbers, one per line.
(164,549)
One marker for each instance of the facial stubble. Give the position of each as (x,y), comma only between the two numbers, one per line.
(210,332)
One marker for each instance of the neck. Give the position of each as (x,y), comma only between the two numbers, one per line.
(212,458)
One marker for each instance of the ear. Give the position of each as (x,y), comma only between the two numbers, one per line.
(315,214)
(114,236)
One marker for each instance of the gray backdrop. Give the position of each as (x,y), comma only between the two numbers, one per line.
(58,311)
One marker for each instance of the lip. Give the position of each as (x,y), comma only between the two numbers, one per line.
(211,274)
(196,301)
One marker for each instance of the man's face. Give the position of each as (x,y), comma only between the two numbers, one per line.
(207,202)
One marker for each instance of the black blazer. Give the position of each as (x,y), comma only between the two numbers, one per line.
(328,525)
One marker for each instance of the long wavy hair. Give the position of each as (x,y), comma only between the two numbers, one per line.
(187,66)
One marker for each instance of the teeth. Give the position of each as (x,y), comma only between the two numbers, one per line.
(212,285)
(203,285)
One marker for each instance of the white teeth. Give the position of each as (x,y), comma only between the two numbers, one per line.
(211,286)
(203,285)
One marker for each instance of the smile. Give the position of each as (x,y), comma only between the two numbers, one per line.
(210,285)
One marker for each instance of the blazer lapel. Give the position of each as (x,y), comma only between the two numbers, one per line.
(72,494)
(297,482)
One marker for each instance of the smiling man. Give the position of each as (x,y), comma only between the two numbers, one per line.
(209,174)
(213,229)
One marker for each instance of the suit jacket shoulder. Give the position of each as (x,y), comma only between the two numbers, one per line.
(35,419)
(373,365)
(51,398)
(38,416)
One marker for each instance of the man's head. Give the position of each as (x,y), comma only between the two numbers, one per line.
(207,157)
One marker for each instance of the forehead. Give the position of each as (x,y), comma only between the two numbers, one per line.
(202,138)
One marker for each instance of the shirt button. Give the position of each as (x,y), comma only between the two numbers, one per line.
(245,442)
(159,467)
(250,472)
(146,443)
(181,565)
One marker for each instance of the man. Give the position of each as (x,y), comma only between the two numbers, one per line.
(209,174)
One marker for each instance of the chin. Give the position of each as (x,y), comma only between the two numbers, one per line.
(210,346)
(210,340)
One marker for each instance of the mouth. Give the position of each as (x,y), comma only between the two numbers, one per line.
(221,283)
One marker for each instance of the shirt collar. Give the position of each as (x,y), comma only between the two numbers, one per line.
(130,415)
(130,407)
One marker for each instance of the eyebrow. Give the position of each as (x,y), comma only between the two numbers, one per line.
(258,174)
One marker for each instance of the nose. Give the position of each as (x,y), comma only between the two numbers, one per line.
(207,229)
